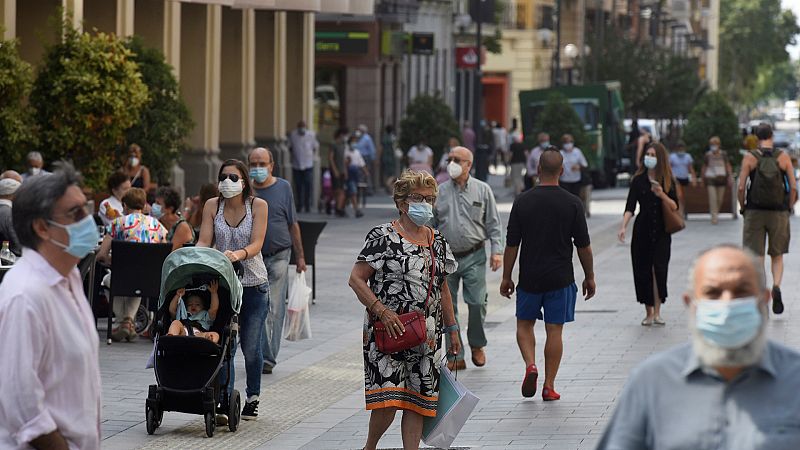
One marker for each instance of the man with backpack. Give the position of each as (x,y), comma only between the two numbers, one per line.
(767,191)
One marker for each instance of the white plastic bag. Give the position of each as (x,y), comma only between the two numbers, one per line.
(455,405)
(297,324)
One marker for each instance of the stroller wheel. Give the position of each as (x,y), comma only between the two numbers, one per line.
(211,423)
(235,411)
(152,420)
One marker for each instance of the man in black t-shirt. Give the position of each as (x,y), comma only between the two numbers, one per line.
(547,220)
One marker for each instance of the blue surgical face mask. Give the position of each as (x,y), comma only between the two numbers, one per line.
(728,324)
(156,211)
(83,237)
(650,162)
(420,213)
(259,174)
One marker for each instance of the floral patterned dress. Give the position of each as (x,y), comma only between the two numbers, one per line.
(408,379)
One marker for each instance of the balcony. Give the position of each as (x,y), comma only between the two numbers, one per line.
(397,11)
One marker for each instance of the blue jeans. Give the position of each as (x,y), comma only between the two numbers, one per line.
(255,306)
(278,270)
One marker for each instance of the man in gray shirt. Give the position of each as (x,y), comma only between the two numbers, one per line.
(466,215)
(730,388)
(8,187)
(283,233)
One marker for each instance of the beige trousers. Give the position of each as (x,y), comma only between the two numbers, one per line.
(716,195)
(126,307)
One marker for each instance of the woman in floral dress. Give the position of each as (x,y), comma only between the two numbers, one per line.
(392,276)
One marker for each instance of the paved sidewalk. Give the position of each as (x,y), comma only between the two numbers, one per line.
(315,397)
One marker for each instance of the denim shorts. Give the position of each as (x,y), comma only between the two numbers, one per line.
(558,305)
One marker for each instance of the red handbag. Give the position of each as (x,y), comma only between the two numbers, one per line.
(414,322)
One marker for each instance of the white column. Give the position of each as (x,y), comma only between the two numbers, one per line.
(74,7)
(125,18)
(212,82)
(172,35)
(8,18)
(308,68)
(712,54)
(248,76)
(279,79)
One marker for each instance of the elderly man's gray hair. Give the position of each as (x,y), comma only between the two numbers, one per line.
(754,260)
(34,156)
(36,198)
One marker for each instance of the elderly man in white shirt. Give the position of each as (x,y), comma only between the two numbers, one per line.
(50,389)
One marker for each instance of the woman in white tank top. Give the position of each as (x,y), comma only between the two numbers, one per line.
(236,223)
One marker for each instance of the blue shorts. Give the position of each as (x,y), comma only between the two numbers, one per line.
(559,305)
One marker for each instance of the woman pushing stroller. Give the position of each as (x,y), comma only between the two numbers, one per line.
(199,319)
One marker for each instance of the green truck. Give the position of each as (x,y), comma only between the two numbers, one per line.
(600,108)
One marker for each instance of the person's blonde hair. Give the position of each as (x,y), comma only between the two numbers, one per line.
(134,199)
(714,140)
(410,180)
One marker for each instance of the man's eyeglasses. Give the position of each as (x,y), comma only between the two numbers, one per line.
(224,176)
(456,160)
(75,214)
(418,198)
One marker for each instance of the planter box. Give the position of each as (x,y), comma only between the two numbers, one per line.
(695,199)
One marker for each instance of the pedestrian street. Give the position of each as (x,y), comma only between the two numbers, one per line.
(315,397)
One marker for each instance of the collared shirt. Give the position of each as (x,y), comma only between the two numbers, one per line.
(366,146)
(572,158)
(303,148)
(533,161)
(50,376)
(280,215)
(672,402)
(466,217)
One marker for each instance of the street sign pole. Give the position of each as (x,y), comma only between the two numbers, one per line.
(477,100)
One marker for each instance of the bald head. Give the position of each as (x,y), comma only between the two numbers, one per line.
(259,153)
(725,273)
(461,153)
(550,165)
(13,174)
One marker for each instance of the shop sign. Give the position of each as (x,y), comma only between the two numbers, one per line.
(467,57)
(394,43)
(422,43)
(342,42)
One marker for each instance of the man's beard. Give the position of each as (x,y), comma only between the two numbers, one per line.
(711,355)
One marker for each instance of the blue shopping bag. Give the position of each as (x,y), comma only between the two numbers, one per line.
(455,405)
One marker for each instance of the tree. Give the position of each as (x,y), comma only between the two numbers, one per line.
(656,82)
(17,133)
(87,93)
(428,117)
(558,118)
(712,116)
(165,122)
(753,34)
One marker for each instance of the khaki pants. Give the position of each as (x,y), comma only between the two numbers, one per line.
(716,195)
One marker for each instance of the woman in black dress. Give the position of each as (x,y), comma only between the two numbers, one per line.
(650,246)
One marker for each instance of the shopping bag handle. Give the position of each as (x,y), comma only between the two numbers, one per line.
(455,372)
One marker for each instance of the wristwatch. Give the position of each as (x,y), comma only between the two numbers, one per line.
(451,328)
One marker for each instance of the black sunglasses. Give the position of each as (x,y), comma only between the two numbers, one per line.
(224,176)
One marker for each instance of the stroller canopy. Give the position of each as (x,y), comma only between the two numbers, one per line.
(184,263)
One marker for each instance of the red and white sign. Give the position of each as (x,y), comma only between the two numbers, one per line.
(467,57)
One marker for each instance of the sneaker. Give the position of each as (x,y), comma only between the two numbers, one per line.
(777,300)
(529,382)
(267,369)
(250,410)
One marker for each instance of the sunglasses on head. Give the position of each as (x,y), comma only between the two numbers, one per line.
(233,177)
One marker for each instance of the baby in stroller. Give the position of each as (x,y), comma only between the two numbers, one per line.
(199,320)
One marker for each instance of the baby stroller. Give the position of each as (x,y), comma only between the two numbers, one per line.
(187,367)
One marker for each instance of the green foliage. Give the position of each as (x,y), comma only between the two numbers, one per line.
(656,83)
(17,134)
(429,118)
(165,121)
(753,35)
(88,92)
(778,81)
(712,116)
(559,118)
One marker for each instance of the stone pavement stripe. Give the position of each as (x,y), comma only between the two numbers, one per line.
(315,388)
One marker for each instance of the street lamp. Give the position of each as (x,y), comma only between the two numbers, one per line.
(571,52)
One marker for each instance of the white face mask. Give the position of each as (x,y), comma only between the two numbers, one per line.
(714,148)
(229,188)
(454,170)
(35,171)
(568,146)
(134,161)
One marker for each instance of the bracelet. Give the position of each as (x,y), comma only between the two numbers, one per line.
(246,255)
(450,328)
(380,316)
(369,308)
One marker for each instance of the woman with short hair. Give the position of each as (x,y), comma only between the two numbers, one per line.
(403,268)
(167,210)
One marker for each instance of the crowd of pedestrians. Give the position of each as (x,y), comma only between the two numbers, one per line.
(408,275)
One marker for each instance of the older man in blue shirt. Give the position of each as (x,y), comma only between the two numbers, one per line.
(730,388)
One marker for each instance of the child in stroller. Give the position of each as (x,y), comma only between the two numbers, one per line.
(199,320)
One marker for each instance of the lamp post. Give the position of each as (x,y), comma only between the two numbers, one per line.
(571,52)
